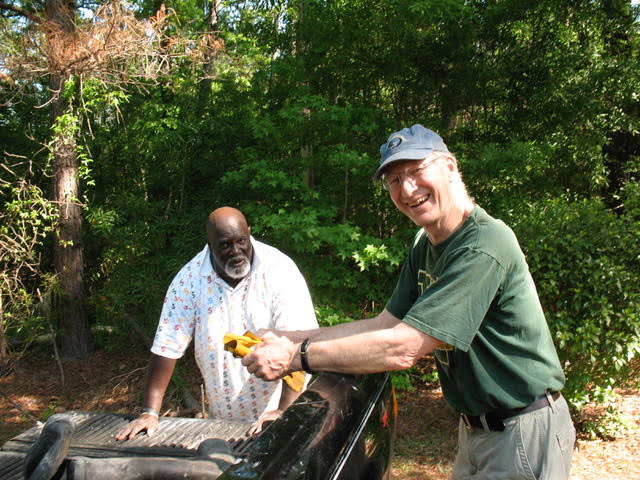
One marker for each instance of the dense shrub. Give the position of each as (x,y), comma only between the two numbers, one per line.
(585,261)
(26,219)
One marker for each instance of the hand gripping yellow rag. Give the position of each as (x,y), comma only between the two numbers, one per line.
(240,345)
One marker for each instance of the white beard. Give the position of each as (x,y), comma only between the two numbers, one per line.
(239,272)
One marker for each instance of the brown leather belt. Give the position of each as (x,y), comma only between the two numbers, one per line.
(495,419)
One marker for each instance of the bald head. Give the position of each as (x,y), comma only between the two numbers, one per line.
(229,238)
(224,218)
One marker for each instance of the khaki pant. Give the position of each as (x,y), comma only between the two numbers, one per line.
(534,446)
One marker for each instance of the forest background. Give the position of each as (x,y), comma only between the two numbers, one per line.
(123,125)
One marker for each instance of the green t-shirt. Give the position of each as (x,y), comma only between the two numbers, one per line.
(474,292)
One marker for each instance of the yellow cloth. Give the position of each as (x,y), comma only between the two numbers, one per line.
(240,345)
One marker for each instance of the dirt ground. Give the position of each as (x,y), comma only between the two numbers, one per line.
(426,435)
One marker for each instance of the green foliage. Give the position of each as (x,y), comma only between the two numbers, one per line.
(373,255)
(538,99)
(301,193)
(178,383)
(631,200)
(328,316)
(138,256)
(49,410)
(609,424)
(402,380)
(500,176)
(586,264)
(26,219)
(413,377)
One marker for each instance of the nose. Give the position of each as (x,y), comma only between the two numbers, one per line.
(407,185)
(235,249)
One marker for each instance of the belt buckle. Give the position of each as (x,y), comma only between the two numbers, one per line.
(466,421)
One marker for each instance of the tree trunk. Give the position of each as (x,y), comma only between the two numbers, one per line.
(74,337)
(210,50)
(73,324)
(4,347)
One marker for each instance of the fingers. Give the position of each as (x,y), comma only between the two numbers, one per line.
(127,432)
(255,428)
(248,362)
(252,363)
(123,432)
(270,359)
(266,418)
(143,422)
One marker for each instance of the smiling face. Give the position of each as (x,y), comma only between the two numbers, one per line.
(425,195)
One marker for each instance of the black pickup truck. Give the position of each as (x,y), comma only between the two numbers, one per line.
(341,427)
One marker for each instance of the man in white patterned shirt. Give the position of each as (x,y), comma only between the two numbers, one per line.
(235,284)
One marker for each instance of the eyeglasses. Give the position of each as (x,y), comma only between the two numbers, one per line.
(393,181)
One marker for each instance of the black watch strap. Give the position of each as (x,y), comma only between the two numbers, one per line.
(303,356)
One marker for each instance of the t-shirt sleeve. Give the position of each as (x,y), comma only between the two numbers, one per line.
(175,328)
(453,306)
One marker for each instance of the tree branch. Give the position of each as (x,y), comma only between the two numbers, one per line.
(20,11)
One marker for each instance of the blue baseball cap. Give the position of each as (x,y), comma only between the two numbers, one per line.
(413,143)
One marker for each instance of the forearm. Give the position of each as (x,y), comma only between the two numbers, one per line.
(383,320)
(379,344)
(158,377)
(287,397)
(153,398)
(378,350)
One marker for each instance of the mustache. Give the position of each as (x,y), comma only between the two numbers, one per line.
(238,271)
(244,258)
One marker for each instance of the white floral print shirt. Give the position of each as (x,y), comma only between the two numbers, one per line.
(201,306)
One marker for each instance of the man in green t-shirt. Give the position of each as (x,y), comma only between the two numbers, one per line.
(465,294)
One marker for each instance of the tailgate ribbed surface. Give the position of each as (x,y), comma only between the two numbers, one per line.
(93,437)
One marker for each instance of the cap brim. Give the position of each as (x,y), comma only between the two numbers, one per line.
(417,154)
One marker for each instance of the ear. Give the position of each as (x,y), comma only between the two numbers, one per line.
(451,161)
(451,164)
(452,168)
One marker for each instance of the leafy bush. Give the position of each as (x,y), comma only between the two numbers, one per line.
(586,264)
(135,253)
(26,219)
